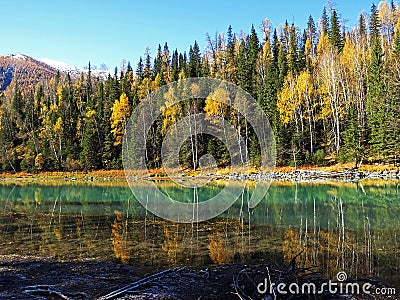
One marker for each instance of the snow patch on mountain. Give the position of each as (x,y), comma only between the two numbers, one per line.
(59,65)
(66,68)
(18,56)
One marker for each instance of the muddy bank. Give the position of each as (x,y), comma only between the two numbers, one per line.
(34,278)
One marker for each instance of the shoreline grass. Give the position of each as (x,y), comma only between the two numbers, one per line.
(117,177)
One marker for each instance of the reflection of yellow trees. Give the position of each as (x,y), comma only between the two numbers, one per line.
(292,245)
(51,236)
(325,249)
(171,243)
(221,249)
(119,240)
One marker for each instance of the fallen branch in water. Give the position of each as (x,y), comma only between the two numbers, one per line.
(44,290)
(141,282)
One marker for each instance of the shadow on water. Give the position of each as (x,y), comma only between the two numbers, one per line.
(340,226)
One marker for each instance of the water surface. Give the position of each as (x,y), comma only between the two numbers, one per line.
(351,227)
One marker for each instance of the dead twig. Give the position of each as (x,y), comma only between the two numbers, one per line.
(136,284)
(45,290)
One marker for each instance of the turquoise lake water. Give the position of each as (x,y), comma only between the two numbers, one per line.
(339,226)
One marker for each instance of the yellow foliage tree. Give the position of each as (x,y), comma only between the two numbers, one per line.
(323,44)
(214,106)
(288,100)
(170,111)
(121,111)
(147,86)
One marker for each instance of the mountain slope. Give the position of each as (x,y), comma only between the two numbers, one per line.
(25,69)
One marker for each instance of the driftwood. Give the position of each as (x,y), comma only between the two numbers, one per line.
(128,288)
(46,291)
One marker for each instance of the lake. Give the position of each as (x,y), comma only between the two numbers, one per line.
(333,226)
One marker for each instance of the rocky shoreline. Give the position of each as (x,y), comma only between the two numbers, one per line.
(299,175)
(315,175)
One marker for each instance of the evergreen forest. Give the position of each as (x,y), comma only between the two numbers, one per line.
(331,94)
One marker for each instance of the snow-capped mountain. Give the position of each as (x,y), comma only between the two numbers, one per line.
(30,71)
(66,68)
(59,65)
(27,70)
(18,56)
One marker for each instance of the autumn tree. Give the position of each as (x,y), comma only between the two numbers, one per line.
(121,111)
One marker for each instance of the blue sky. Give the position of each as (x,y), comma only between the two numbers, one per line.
(108,31)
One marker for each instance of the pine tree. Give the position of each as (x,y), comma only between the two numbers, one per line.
(157,69)
(325,23)
(336,37)
(392,75)
(282,66)
(293,49)
(140,70)
(362,28)
(194,61)
(243,67)
(230,45)
(175,65)
(275,48)
(352,148)
(253,50)
(375,24)
(311,32)
(147,72)
(90,145)
(17,105)
(301,58)
(396,40)
(166,65)
(69,111)
(375,95)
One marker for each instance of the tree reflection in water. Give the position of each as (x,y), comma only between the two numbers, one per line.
(338,226)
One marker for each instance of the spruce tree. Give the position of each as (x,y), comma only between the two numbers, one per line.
(17,104)
(324,23)
(301,59)
(147,72)
(396,41)
(90,145)
(243,67)
(375,24)
(175,65)
(376,98)
(157,63)
(311,31)
(282,66)
(194,61)
(362,28)
(253,49)
(336,37)
(230,46)
(275,48)
(293,63)
(352,148)
(140,70)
